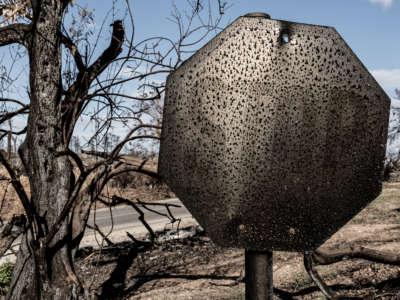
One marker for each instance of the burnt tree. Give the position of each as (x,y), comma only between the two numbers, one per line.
(44,269)
(63,187)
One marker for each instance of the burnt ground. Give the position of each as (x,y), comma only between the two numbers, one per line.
(194,268)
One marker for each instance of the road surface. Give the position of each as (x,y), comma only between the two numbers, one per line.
(126,219)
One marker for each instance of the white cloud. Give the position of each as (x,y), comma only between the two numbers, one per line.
(384,3)
(388,79)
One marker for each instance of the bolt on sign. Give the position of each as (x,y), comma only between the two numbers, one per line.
(274,135)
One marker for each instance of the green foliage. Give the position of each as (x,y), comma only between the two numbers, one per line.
(6,271)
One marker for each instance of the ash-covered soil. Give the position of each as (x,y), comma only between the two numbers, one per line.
(194,268)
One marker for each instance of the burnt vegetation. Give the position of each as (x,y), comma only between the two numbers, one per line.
(58,178)
(71,79)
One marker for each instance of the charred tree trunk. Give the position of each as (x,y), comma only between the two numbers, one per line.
(44,269)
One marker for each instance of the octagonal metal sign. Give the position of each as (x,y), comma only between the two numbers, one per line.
(274,135)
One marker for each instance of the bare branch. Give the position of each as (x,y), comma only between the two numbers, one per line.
(97,153)
(13,101)
(137,77)
(6,132)
(222,6)
(75,157)
(127,164)
(74,51)
(142,219)
(138,169)
(77,93)
(309,265)
(129,137)
(19,189)
(8,236)
(113,50)
(97,229)
(7,116)
(15,33)
(167,206)
(157,96)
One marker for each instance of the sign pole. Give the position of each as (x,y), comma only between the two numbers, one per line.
(259,276)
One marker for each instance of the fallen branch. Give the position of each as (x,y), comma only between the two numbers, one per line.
(327,257)
(139,243)
(309,265)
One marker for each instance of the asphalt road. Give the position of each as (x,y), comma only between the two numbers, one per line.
(126,216)
(126,219)
(115,222)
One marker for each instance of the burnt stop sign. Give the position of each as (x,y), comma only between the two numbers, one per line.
(274,135)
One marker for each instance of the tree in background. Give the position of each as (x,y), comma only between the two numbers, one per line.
(393,151)
(69,79)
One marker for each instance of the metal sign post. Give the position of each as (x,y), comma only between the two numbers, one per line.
(274,137)
(258,275)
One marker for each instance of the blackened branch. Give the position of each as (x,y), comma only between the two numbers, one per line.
(121,200)
(309,265)
(15,33)
(97,229)
(8,235)
(329,257)
(70,45)
(111,53)
(19,189)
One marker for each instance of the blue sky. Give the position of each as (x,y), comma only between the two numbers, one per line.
(370,27)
